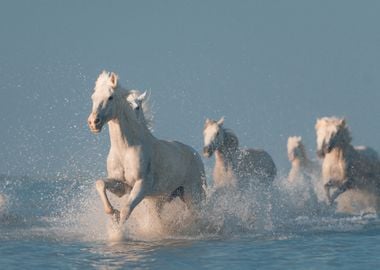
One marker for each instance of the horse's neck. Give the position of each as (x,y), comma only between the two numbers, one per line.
(222,163)
(336,164)
(302,165)
(301,162)
(297,163)
(127,132)
(227,157)
(228,152)
(341,153)
(224,173)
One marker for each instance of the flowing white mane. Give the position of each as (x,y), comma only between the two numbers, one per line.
(107,87)
(296,149)
(347,168)
(140,165)
(103,81)
(294,142)
(326,127)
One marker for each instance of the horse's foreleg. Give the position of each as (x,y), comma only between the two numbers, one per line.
(327,187)
(135,197)
(192,197)
(116,187)
(341,189)
(101,188)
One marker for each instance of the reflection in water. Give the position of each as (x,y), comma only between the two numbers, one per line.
(135,253)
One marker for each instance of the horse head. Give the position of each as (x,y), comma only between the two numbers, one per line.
(139,102)
(295,148)
(213,135)
(103,101)
(331,132)
(135,99)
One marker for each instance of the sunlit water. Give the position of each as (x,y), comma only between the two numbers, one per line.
(59,224)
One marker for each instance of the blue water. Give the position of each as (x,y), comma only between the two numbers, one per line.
(59,224)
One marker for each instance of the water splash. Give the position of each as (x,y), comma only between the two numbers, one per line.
(69,208)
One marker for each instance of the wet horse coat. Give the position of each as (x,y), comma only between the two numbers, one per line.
(233,165)
(345,167)
(302,166)
(138,163)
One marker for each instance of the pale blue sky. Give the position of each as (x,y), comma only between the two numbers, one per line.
(270,67)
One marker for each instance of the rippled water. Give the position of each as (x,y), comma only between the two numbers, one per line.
(59,224)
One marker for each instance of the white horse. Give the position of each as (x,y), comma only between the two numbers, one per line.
(235,166)
(303,178)
(344,166)
(139,164)
(302,166)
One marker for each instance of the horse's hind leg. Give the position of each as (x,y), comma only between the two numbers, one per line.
(193,197)
(114,186)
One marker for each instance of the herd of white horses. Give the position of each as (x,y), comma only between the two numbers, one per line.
(139,165)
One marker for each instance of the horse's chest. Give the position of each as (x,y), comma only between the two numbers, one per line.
(224,173)
(334,169)
(132,163)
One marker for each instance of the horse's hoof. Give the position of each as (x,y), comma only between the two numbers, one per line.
(109,211)
(100,185)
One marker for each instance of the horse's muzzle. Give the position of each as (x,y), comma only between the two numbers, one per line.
(329,148)
(325,149)
(207,151)
(320,153)
(94,123)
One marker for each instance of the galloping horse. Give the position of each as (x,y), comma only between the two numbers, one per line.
(302,166)
(235,166)
(345,167)
(138,163)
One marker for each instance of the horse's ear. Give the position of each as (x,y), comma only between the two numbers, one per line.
(343,122)
(317,124)
(207,122)
(142,96)
(113,80)
(221,121)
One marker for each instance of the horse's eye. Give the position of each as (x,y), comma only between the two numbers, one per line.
(110,98)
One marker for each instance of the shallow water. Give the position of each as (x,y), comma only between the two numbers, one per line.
(351,250)
(58,224)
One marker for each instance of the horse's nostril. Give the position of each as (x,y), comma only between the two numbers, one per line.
(97,120)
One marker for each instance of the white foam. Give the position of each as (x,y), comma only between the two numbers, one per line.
(226,212)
